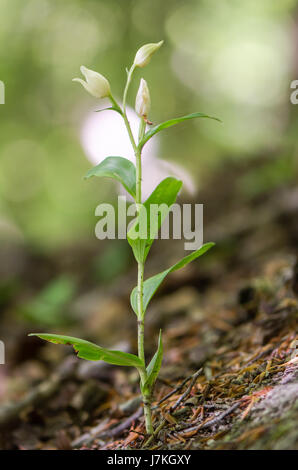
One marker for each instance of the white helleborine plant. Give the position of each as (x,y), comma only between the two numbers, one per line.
(145,53)
(130,176)
(95,83)
(143,103)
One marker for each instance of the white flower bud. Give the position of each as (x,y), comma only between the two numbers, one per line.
(95,83)
(143,99)
(144,54)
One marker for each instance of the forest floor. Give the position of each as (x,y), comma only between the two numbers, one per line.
(229,378)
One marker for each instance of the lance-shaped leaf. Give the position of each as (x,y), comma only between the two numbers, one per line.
(164,195)
(118,168)
(172,122)
(91,351)
(111,108)
(154,366)
(152,284)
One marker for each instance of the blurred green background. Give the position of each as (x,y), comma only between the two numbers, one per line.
(229,58)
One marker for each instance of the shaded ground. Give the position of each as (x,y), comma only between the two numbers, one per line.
(243,396)
(229,378)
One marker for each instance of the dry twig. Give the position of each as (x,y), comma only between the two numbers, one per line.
(188,391)
(213,421)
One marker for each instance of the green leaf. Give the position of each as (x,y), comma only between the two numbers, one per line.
(154,366)
(111,108)
(152,284)
(118,168)
(172,122)
(92,352)
(165,193)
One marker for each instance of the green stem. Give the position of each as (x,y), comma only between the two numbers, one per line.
(128,81)
(142,129)
(141,319)
(140,313)
(131,137)
(114,103)
(138,200)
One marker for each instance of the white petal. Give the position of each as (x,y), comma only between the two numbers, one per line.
(96,84)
